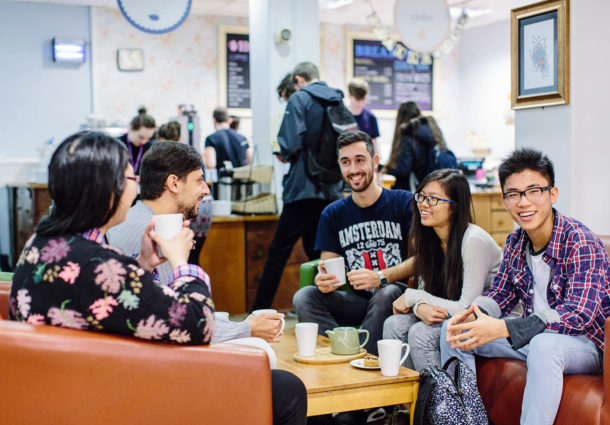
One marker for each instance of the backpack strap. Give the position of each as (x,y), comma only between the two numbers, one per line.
(426,385)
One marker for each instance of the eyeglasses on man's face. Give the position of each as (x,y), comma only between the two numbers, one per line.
(431,200)
(531,194)
(134,178)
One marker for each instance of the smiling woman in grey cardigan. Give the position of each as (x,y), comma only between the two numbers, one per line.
(453,259)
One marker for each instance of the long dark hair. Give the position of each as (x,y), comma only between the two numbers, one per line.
(406,112)
(426,245)
(86,181)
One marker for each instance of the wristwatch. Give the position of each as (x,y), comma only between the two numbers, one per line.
(382,280)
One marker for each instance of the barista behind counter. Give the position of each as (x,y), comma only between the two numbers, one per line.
(137,139)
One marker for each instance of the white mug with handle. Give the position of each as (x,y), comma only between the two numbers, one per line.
(389,355)
(270,310)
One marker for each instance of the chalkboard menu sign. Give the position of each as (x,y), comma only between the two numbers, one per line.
(392,81)
(237,70)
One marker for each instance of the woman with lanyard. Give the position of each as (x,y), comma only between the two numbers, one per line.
(137,139)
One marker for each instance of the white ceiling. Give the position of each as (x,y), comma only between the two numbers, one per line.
(354,13)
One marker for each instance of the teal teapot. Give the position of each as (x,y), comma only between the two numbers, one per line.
(346,340)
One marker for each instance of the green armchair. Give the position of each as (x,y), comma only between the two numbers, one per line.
(308,272)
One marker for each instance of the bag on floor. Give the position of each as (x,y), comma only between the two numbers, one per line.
(443,400)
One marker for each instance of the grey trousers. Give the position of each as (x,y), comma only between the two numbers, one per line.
(340,308)
(423,340)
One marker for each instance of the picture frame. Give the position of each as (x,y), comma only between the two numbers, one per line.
(540,54)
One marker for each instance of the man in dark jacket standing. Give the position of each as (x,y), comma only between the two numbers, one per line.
(303,199)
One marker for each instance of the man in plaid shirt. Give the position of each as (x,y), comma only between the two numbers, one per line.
(559,270)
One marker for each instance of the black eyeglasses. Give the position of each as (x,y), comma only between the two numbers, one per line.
(431,200)
(134,178)
(531,194)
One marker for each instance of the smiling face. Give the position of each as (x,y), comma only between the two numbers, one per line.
(193,189)
(357,166)
(535,217)
(436,216)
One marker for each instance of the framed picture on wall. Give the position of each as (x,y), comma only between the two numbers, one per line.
(234,69)
(540,46)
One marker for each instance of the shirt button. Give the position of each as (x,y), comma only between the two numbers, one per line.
(556,286)
(531,291)
(529,309)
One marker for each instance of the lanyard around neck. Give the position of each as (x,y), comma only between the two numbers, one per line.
(137,163)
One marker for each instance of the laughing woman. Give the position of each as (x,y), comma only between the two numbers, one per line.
(453,259)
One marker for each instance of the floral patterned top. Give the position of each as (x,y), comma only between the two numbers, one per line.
(78,282)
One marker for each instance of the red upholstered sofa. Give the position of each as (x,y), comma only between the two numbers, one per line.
(584,401)
(52,375)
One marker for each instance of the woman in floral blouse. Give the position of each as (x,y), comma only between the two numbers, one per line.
(67,276)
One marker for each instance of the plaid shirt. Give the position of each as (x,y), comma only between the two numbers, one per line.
(578,286)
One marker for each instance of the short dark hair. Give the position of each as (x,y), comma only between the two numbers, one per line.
(526,159)
(86,181)
(170,131)
(358,88)
(355,136)
(162,160)
(142,120)
(234,122)
(286,87)
(220,115)
(308,70)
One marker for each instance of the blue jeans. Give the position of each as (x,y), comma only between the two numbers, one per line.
(340,308)
(549,356)
(423,340)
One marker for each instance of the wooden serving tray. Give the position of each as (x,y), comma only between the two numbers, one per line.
(324,356)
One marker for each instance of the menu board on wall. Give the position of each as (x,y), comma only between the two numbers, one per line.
(392,81)
(238,71)
(234,68)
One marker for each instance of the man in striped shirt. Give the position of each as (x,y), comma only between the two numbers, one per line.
(559,270)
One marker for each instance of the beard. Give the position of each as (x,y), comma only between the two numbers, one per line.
(189,211)
(368,179)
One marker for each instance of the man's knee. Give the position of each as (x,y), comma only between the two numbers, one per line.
(304,297)
(543,348)
(392,328)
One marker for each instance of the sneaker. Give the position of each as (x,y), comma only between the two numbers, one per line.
(355,417)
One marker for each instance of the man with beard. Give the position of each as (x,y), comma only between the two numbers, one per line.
(172,183)
(369,229)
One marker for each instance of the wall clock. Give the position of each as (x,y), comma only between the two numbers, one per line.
(130,59)
(155,16)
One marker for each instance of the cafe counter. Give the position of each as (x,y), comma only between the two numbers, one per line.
(234,254)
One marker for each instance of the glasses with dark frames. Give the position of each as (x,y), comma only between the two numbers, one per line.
(134,178)
(431,200)
(531,194)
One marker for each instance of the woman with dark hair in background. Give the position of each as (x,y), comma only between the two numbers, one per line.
(67,275)
(453,259)
(414,136)
(137,139)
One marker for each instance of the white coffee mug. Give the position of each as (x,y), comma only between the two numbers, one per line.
(307,338)
(336,266)
(168,225)
(389,355)
(270,310)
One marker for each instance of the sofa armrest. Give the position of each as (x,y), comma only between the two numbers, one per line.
(308,272)
(71,376)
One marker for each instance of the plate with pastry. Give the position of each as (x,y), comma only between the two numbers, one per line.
(366,362)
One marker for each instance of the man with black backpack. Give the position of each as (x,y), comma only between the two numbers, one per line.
(307,140)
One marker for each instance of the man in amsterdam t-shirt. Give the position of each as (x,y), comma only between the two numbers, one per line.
(369,229)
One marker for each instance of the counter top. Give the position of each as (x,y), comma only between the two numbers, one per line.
(240,218)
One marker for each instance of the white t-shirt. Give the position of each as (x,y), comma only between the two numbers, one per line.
(542,273)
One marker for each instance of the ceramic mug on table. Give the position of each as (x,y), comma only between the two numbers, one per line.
(389,355)
(346,340)
(307,337)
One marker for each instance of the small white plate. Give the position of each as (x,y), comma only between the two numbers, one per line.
(359,363)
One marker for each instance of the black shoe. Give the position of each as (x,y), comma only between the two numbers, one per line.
(355,417)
